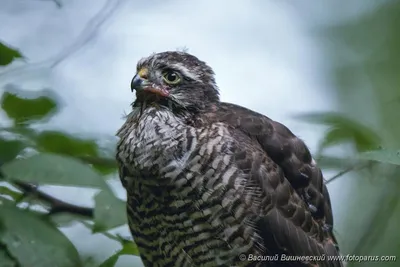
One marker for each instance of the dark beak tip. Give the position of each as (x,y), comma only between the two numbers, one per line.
(136,83)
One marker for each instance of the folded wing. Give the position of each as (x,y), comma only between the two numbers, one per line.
(301,222)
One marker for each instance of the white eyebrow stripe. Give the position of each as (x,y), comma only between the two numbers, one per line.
(186,72)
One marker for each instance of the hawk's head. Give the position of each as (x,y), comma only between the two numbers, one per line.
(177,80)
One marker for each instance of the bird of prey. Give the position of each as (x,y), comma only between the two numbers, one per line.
(215,184)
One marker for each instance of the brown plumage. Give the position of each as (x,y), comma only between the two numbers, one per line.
(208,181)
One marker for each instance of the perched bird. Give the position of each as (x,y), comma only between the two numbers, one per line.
(215,184)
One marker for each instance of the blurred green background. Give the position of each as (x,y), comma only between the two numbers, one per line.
(364,58)
(358,147)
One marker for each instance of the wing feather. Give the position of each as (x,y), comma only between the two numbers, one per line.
(300,220)
(286,150)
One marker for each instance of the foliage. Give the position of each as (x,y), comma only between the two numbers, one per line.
(383,155)
(127,249)
(343,129)
(30,158)
(29,245)
(8,54)
(363,54)
(23,110)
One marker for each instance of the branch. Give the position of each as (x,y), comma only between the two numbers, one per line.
(90,31)
(56,205)
(347,170)
(57,2)
(59,206)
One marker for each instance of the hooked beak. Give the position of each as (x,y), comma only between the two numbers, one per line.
(141,84)
(138,83)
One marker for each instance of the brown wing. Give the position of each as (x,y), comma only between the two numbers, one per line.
(294,159)
(286,150)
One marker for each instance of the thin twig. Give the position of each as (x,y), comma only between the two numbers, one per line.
(57,2)
(56,205)
(90,31)
(347,170)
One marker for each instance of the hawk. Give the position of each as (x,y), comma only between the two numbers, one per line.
(215,184)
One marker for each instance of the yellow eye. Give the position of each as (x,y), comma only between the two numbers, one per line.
(171,77)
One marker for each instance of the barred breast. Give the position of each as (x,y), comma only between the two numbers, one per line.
(188,203)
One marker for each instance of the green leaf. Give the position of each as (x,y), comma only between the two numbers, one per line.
(5,259)
(24,110)
(335,136)
(8,54)
(89,261)
(4,190)
(109,212)
(383,155)
(61,143)
(111,261)
(9,149)
(103,165)
(105,169)
(33,241)
(86,150)
(129,248)
(53,169)
(343,129)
